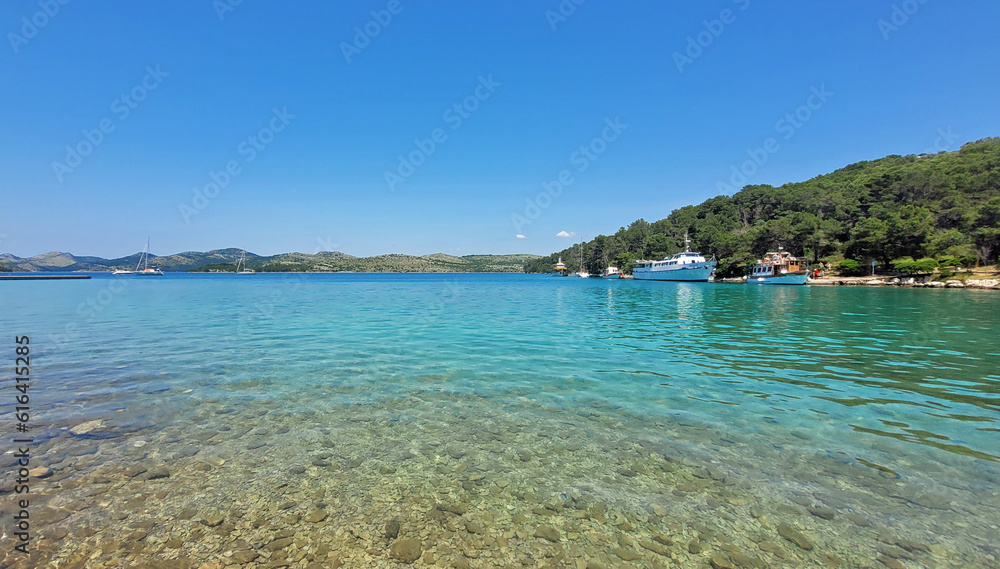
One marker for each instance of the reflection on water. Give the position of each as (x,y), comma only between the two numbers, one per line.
(732,421)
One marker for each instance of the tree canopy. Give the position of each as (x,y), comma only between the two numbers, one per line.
(926,206)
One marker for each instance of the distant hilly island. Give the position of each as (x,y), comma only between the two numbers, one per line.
(224,260)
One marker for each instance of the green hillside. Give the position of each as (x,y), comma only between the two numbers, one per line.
(943,207)
(333,262)
(224,260)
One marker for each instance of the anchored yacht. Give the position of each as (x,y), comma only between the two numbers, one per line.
(687,266)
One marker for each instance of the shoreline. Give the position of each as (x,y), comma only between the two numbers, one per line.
(908,282)
(894,281)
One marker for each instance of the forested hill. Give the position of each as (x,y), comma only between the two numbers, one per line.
(927,206)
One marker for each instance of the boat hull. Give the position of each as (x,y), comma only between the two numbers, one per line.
(686,273)
(798,279)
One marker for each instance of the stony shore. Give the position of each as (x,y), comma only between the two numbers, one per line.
(986,284)
(910,282)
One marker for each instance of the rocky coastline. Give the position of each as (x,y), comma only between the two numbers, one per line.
(912,282)
(909,282)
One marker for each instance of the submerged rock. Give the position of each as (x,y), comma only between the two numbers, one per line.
(245,555)
(158,473)
(406,550)
(134,470)
(316,516)
(891,563)
(84,428)
(41,472)
(654,547)
(795,536)
(626,554)
(720,561)
(212,520)
(279,544)
(824,512)
(547,532)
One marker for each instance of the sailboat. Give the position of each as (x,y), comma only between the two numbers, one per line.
(243,262)
(583,272)
(144,262)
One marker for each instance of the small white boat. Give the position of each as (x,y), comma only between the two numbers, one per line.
(144,262)
(582,273)
(682,267)
(123,272)
(780,268)
(243,262)
(611,273)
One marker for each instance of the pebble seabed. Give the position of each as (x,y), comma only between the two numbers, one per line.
(439,479)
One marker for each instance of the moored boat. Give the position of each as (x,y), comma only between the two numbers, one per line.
(560,269)
(611,273)
(242,262)
(146,270)
(582,273)
(682,267)
(781,268)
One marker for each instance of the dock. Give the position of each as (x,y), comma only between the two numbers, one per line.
(42,277)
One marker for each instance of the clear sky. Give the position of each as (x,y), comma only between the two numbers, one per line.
(310,115)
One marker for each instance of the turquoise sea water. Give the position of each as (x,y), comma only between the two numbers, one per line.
(704,412)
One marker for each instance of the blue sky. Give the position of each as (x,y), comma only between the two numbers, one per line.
(210,76)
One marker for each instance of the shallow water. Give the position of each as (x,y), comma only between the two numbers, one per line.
(506,420)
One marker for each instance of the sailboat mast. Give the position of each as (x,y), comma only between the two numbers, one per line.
(142,256)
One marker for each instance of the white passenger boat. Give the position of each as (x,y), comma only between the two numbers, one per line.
(781,268)
(687,266)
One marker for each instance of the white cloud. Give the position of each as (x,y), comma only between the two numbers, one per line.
(519,236)
(565,234)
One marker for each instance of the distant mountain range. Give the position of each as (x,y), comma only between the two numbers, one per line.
(224,260)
